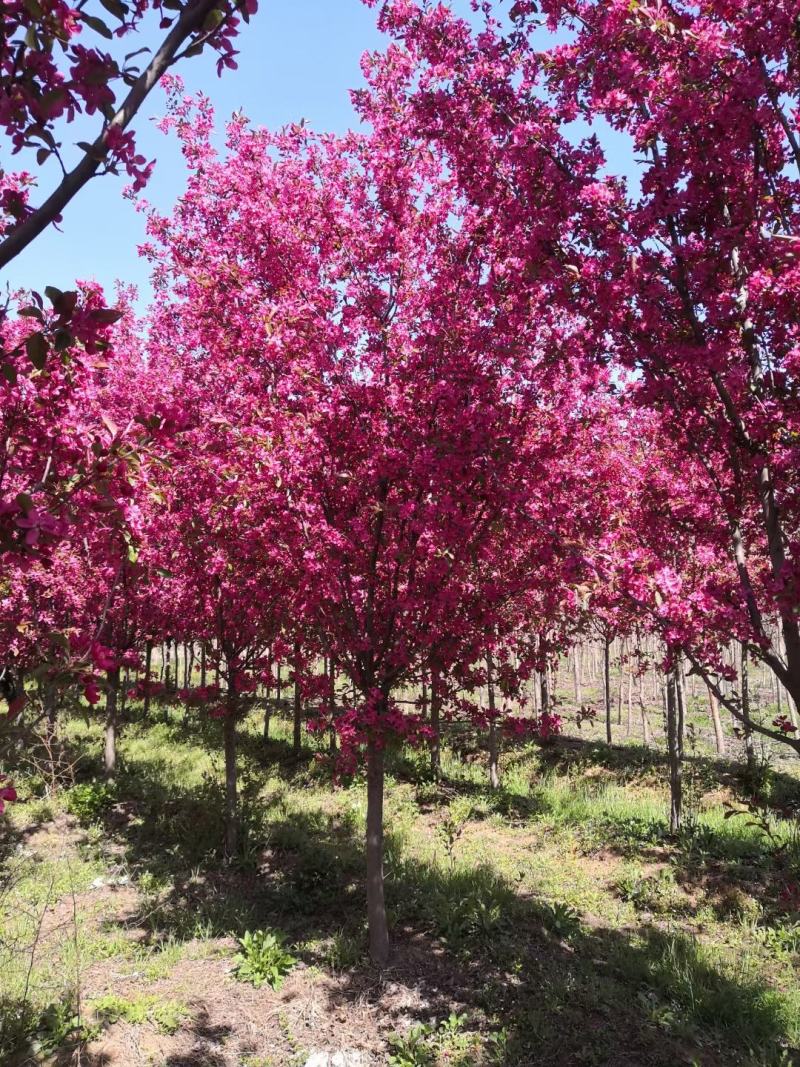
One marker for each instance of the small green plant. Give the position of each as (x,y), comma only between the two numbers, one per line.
(89,801)
(263,959)
(426,1044)
(166,1015)
(781,941)
(655,893)
(412,1049)
(561,919)
(343,951)
(60,1025)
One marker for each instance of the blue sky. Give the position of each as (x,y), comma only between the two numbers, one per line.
(298,59)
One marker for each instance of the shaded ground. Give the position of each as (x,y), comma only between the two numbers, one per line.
(553,922)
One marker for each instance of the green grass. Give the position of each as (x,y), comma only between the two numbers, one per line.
(569,921)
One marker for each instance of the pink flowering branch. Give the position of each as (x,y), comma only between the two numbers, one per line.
(190,22)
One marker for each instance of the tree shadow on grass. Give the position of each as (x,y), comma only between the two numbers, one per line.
(552,989)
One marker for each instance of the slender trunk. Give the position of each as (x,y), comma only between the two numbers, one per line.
(267,698)
(749,747)
(110,748)
(203,665)
(297,740)
(621,685)
(332,701)
(278,681)
(376,904)
(424,700)
(51,708)
(646,734)
(436,706)
(168,665)
(607,685)
(674,753)
(576,674)
(231,843)
(148,666)
(630,702)
(494,771)
(545,689)
(716,722)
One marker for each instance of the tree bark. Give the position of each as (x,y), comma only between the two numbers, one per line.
(494,770)
(297,740)
(607,685)
(576,674)
(646,733)
(749,747)
(110,747)
(332,701)
(231,843)
(716,722)
(545,690)
(675,753)
(376,903)
(436,744)
(267,698)
(148,664)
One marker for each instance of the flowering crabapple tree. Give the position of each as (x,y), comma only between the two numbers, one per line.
(401,390)
(689,281)
(214,530)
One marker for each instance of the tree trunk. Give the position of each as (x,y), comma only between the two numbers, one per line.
(267,698)
(646,734)
(494,770)
(148,663)
(332,701)
(436,706)
(675,753)
(297,740)
(749,747)
(607,685)
(621,685)
(203,665)
(716,722)
(168,664)
(545,689)
(110,748)
(376,904)
(576,674)
(231,843)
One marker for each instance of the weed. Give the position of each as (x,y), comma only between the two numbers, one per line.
(90,801)
(263,959)
(165,1015)
(561,919)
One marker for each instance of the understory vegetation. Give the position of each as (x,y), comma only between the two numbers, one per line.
(551,920)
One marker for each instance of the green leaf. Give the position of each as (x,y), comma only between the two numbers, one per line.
(97,25)
(115,7)
(9,372)
(25,502)
(107,315)
(213,19)
(36,347)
